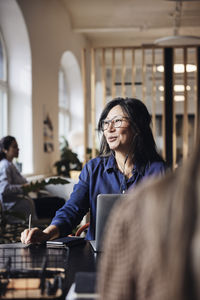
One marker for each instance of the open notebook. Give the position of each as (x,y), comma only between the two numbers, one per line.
(105,203)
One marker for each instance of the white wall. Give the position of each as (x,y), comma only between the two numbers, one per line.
(50,36)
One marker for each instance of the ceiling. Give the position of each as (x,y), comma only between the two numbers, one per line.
(132,22)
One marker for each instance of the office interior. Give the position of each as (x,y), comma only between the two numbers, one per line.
(61,61)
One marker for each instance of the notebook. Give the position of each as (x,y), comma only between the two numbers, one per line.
(68,241)
(105,203)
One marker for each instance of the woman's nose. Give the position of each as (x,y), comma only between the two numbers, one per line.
(111,126)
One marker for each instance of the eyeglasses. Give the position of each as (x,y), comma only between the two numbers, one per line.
(116,122)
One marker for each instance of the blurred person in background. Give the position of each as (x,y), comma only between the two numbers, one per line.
(15,203)
(12,197)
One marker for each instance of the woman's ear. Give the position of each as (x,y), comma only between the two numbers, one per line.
(5,151)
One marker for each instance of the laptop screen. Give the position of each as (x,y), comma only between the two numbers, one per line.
(105,203)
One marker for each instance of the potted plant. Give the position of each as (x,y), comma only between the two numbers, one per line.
(68,160)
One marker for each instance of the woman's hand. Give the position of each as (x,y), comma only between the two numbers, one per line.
(34,236)
(37,236)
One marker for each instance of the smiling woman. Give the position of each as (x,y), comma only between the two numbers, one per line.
(128,156)
(127,135)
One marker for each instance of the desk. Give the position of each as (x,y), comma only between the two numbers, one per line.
(81,258)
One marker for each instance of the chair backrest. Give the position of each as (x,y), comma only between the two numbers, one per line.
(82,229)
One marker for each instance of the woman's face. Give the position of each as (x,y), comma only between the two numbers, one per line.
(13,151)
(118,138)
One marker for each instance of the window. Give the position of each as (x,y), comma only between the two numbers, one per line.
(71,110)
(64,115)
(3,89)
(16,82)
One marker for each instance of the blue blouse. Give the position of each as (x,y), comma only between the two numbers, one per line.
(99,176)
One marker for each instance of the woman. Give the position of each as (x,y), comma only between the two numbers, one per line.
(127,156)
(12,182)
(11,188)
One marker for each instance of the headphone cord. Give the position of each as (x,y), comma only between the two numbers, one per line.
(123,173)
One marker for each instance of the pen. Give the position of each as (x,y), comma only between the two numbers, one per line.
(29,222)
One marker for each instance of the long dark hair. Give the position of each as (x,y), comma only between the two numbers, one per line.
(143,148)
(5,143)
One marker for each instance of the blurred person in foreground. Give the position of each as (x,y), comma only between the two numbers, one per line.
(128,155)
(152,248)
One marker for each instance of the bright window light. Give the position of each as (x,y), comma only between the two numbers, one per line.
(177,98)
(161,88)
(177,88)
(181,88)
(179,68)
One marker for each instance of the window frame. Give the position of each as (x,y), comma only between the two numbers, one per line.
(4,90)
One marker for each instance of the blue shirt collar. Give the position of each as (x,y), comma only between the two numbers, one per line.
(110,164)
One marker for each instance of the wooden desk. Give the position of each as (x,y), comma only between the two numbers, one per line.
(81,258)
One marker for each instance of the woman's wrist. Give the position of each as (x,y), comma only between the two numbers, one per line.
(52,232)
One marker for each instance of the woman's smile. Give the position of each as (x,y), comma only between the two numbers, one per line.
(112,138)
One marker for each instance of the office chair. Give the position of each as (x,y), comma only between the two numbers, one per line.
(82,229)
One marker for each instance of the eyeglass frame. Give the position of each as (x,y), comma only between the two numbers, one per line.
(111,122)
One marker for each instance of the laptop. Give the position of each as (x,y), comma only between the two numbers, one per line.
(105,202)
